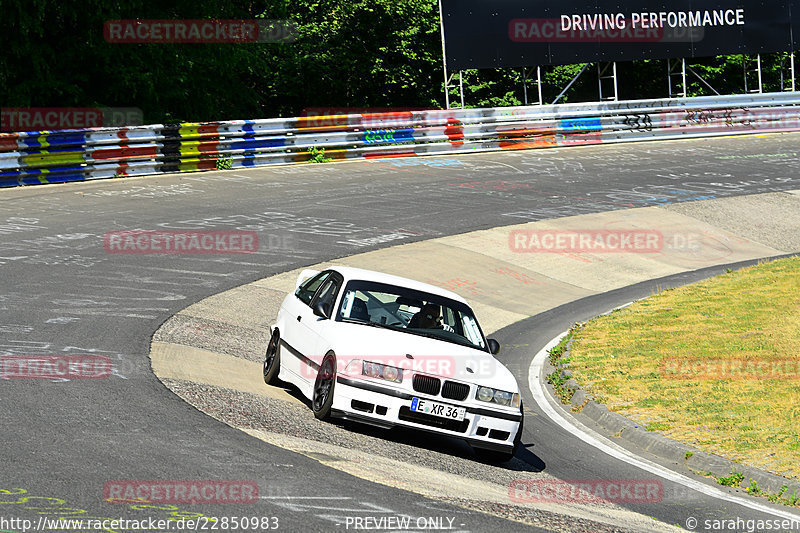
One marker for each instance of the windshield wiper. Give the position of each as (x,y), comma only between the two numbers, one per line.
(373,324)
(465,342)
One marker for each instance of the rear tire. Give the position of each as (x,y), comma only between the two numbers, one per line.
(324,385)
(272,359)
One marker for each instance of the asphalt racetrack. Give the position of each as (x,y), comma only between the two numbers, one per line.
(65,442)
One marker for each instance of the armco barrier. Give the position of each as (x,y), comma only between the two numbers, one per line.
(35,157)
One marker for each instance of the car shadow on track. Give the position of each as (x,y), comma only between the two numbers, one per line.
(378,438)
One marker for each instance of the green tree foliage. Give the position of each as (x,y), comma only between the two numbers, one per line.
(56,55)
(364,53)
(359,54)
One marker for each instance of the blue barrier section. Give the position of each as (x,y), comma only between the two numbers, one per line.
(580,124)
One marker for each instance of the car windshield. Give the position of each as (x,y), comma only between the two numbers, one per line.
(410,311)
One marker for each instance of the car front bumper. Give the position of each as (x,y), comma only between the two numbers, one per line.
(371,403)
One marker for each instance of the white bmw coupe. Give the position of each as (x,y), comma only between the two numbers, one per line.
(389,351)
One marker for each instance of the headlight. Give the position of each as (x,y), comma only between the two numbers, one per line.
(485,394)
(500,397)
(379,371)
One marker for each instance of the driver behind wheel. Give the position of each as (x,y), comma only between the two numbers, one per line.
(429,317)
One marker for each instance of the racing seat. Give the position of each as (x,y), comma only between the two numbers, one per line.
(359,310)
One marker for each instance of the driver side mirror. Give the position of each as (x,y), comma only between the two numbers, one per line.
(322,309)
(494,346)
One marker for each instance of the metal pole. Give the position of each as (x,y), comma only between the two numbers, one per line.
(616,94)
(669,78)
(444,59)
(600,81)
(699,77)
(539,83)
(792,56)
(783,82)
(683,75)
(525,85)
(744,69)
(760,88)
(461,88)
(578,75)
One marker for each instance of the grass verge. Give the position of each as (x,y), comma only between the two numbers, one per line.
(715,364)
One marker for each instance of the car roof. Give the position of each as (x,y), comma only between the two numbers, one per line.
(353,273)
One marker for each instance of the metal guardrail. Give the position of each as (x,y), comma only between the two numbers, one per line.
(29,158)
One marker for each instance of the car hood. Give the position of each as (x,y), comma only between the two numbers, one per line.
(427,355)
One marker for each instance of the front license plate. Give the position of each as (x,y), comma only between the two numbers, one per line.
(438,409)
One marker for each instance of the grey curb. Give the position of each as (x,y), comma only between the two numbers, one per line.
(620,427)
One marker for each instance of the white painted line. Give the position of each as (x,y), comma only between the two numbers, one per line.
(598,441)
(623,306)
(193,272)
(305,497)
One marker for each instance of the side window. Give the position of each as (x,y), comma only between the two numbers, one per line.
(471,331)
(307,289)
(449,318)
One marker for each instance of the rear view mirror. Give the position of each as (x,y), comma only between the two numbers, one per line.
(322,309)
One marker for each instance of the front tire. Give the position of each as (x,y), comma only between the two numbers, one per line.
(272,359)
(324,385)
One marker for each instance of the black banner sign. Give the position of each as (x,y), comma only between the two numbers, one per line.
(517,33)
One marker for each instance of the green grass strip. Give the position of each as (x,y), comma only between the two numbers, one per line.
(715,364)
